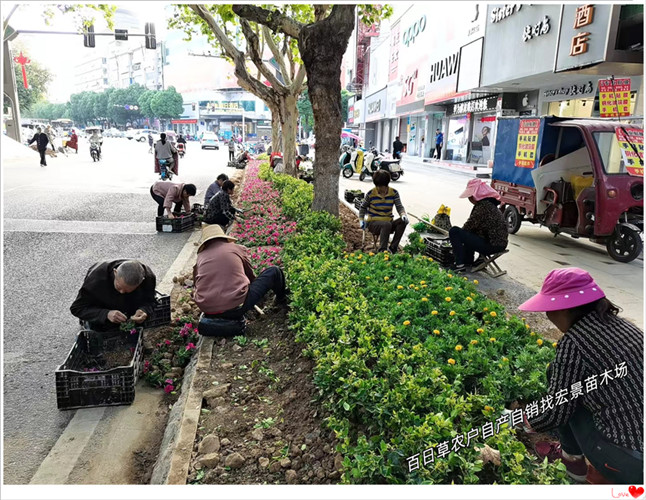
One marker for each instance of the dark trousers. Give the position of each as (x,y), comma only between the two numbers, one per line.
(579,436)
(465,244)
(438,150)
(384,229)
(231,155)
(271,278)
(220,219)
(160,202)
(42,156)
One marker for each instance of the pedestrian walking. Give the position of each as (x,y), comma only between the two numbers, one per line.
(439,142)
(232,149)
(150,142)
(41,140)
(398,147)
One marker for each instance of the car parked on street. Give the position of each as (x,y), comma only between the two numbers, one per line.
(114,132)
(142,135)
(210,140)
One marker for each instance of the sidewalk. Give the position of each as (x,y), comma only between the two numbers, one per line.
(466,168)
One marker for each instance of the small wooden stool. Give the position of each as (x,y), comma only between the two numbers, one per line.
(490,266)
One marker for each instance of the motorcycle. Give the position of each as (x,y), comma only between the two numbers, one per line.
(375,161)
(181,149)
(95,152)
(166,173)
(351,161)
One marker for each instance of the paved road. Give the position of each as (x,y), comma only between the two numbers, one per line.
(534,251)
(58,221)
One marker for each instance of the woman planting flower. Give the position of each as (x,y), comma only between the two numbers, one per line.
(601,422)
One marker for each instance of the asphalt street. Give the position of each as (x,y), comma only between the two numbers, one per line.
(533,251)
(58,221)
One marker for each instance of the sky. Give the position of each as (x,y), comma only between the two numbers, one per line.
(60,53)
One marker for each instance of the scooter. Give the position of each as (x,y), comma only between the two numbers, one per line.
(374,162)
(95,152)
(181,149)
(351,161)
(165,172)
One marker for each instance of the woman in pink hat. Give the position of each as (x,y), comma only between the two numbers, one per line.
(485,231)
(595,398)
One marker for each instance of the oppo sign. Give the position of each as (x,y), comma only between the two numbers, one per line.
(411,33)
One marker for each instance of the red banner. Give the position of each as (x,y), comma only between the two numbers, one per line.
(178,122)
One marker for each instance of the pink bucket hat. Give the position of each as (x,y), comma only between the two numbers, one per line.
(479,190)
(564,289)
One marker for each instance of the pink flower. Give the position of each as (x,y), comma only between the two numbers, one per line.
(168,381)
(133,331)
(189,325)
(168,389)
(190,346)
(167,342)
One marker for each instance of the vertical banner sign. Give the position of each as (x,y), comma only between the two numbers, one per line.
(634,161)
(527,142)
(612,98)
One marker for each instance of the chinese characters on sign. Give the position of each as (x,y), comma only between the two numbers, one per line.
(634,161)
(614,96)
(583,17)
(581,89)
(474,106)
(515,418)
(527,142)
(540,28)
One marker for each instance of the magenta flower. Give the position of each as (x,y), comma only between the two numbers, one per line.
(133,331)
(167,342)
(168,389)
(190,346)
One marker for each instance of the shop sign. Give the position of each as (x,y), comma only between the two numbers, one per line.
(376,106)
(351,114)
(576,90)
(475,106)
(538,29)
(234,107)
(181,122)
(583,17)
(614,94)
(394,53)
(414,30)
(504,12)
(445,67)
(527,142)
(633,157)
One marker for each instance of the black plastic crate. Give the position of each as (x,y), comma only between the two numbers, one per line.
(198,209)
(161,312)
(176,225)
(440,250)
(358,201)
(349,196)
(116,386)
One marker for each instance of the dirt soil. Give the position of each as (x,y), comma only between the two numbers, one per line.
(268,426)
(352,234)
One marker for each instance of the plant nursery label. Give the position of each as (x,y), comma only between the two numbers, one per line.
(634,161)
(612,98)
(167,228)
(527,142)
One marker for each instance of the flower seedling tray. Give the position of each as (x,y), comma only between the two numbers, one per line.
(78,388)
(358,200)
(176,225)
(440,250)
(161,312)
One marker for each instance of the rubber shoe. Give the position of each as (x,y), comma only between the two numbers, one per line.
(577,469)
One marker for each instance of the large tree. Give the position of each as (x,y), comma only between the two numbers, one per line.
(167,104)
(278,87)
(321,44)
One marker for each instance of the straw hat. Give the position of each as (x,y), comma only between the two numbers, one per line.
(212,232)
(564,288)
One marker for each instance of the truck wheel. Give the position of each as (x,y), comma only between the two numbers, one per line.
(513,219)
(394,176)
(624,245)
(347,172)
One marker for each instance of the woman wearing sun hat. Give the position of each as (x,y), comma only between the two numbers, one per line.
(596,381)
(485,231)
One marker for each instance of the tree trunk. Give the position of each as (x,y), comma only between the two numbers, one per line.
(322,46)
(289,116)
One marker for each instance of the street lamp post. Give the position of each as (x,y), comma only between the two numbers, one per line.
(244,132)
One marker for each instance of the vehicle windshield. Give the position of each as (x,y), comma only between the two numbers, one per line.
(610,153)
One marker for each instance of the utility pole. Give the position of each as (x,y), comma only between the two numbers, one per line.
(244,132)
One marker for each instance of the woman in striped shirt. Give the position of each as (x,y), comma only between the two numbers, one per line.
(595,398)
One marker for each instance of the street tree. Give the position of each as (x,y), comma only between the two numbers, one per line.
(305,109)
(278,86)
(38,78)
(167,104)
(144,103)
(321,44)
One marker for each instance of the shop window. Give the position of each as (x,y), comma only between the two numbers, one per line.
(458,139)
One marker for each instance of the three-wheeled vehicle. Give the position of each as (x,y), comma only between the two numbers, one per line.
(582,177)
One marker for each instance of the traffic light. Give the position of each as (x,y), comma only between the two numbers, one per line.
(151,42)
(88,36)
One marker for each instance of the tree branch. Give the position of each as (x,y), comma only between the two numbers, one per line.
(277,55)
(320,11)
(274,20)
(297,86)
(256,57)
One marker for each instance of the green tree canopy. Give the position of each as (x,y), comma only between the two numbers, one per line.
(38,78)
(167,104)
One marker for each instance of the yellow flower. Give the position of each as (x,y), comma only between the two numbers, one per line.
(406,323)
(465,279)
(539,342)
(359,256)
(399,287)
(506,360)
(416,288)
(424,299)
(480,330)
(451,361)
(485,309)
(473,295)
(448,288)
(469,299)
(436,332)
(448,299)
(386,278)
(475,282)
(434,313)
(532,334)
(399,303)
(488,408)
(411,286)
(492,339)
(493,314)
(474,342)
(351,261)
(422,282)
(458,347)
(522,319)
(452,313)
(364,263)
(430,259)
(424,286)
(367,277)
(371,254)
(527,326)
(450,276)
(554,344)
(351,255)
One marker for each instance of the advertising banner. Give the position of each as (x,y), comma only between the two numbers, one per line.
(527,143)
(613,97)
(634,160)
(394,52)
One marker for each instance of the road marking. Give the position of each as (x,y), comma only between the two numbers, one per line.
(62,458)
(75,226)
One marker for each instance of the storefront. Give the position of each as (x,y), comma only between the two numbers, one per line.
(472,130)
